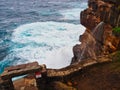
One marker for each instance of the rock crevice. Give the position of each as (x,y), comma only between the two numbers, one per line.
(99,18)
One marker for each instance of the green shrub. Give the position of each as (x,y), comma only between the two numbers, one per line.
(116,29)
(118,55)
(119,7)
(115,56)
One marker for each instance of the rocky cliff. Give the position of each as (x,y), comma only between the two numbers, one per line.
(99,18)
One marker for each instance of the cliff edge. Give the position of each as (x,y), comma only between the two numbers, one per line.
(99,18)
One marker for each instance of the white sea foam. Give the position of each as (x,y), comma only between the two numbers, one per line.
(48,43)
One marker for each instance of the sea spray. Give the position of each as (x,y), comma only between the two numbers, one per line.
(48,43)
(30,44)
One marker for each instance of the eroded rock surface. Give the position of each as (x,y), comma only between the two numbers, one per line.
(99,18)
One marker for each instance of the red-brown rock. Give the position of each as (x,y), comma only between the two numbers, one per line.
(99,18)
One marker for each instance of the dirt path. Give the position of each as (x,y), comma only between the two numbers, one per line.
(99,77)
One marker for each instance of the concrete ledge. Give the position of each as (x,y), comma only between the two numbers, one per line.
(63,72)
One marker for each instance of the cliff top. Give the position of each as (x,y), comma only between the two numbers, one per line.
(96,77)
(105,76)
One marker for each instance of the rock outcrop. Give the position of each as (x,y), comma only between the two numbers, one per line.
(34,69)
(107,11)
(99,18)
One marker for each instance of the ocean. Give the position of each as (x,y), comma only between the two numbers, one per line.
(39,30)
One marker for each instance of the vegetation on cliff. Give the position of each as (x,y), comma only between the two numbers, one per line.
(115,56)
(116,29)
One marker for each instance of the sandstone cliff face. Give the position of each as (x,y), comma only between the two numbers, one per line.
(101,10)
(99,18)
